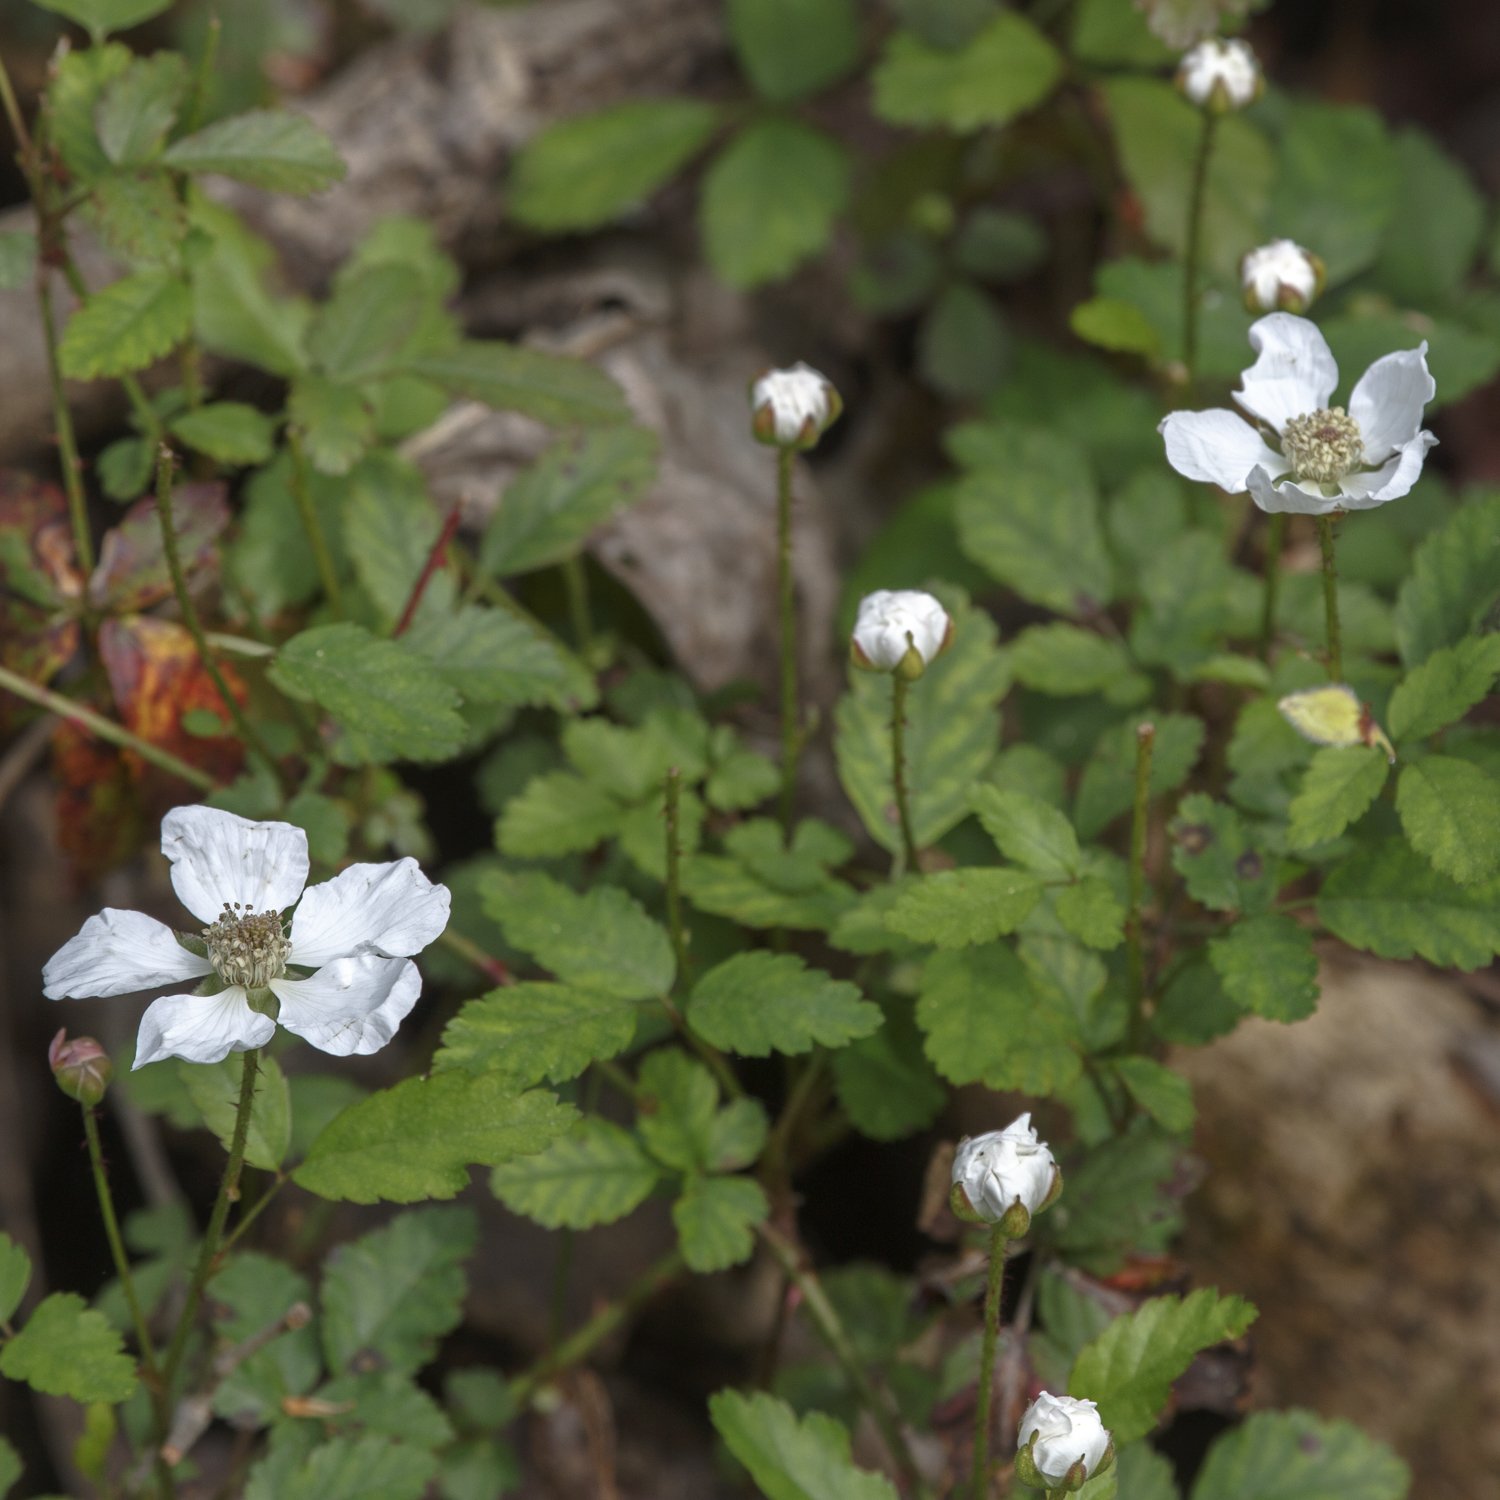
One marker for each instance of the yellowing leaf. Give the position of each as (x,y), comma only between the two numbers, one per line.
(1333,715)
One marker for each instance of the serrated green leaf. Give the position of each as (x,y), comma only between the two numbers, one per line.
(126,326)
(1292,1455)
(419,1139)
(100,17)
(1450,810)
(1092,912)
(316,1099)
(1027,830)
(215,1091)
(1145,1474)
(1164,1095)
(370,1467)
(1003,70)
(739,778)
(388,1403)
(67,1349)
(1432,242)
(1444,687)
(1129,1369)
(17,259)
(15,1276)
(383,696)
(583,172)
(1454,581)
(553,388)
(1029,515)
(792,48)
(1337,789)
(229,432)
(757,1003)
(1066,661)
(1267,965)
(770,200)
(390,527)
(392,1294)
(1218,859)
(728,887)
(137,109)
(715,1220)
(601,940)
(371,317)
(1108,785)
(479,1469)
(959,908)
(558,813)
(676,1108)
(337,422)
(595,1175)
(885,1084)
(271,149)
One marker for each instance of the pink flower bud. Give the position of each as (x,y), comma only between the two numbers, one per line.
(81,1067)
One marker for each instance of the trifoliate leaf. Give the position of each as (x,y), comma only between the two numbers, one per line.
(1450,810)
(1217,858)
(1292,1455)
(1108,785)
(596,1175)
(716,1219)
(1029,831)
(1166,1096)
(1129,1369)
(553,388)
(126,326)
(1267,964)
(1454,581)
(792,48)
(419,1139)
(67,1349)
(959,908)
(757,1003)
(215,1091)
(1444,688)
(229,432)
(15,1276)
(271,149)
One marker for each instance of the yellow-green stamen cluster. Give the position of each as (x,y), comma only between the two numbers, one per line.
(1323,445)
(247,948)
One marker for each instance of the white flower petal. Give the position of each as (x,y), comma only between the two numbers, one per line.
(350,1005)
(1295,373)
(1217,447)
(200,1028)
(1392,479)
(892,622)
(1289,498)
(390,909)
(1067,1430)
(116,953)
(217,857)
(1387,403)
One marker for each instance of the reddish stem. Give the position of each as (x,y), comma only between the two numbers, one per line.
(434,560)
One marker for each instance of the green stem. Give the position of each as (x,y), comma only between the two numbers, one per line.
(826,1317)
(67,443)
(308,511)
(1194,251)
(1275,544)
(229,1190)
(576,585)
(791,732)
(708,1054)
(985,1399)
(899,689)
(1331,600)
(675,923)
(779,1147)
(467,949)
(189,611)
(255,1210)
(106,729)
(192,116)
(1145,741)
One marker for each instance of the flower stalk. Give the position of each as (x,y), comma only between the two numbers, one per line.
(791,730)
(1145,741)
(1275,544)
(1331,600)
(1197,199)
(308,512)
(983,1413)
(900,686)
(675,922)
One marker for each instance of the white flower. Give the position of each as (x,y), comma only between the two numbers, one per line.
(793,408)
(1330,459)
(1003,1168)
(892,625)
(1067,1431)
(342,974)
(1220,75)
(1281,275)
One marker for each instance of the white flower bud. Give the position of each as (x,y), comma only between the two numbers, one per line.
(996,1171)
(1281,276)
(899,631)
(1065,1441)
(793,408)
(1220,75)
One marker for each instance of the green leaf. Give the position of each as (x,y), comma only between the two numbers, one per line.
(1129,1369)
(595,1175)
(384,697)
(271,149)
(525,1033)
(1292,1455)
(1164,1095)
(15,1276)
(392,1294)
(553,388)
(337,422)
(770,201)
(126,326)
(1005,69)
(10,1467)
(373,314)
(1065,661)
(791,1458)
(67,1349)
(988,1022)
(1116,325)
(583,172)
(1108,785)
(1028,831)
(215,1092)
(419,1139)
(229,432)
(959,908)
(885,1083)
(601,940)
(1339,785)
(1092,912)
(1432,241)
(1454,581)
(17,259)
(1029,515)
(715,1219)
(549,509)
(139,217)
(676,1106)
(1145,1474)
(369,1467)
(1213,852)
(1450,810)
(731,888)
(388,1403)
(964,344)
(757,1003)
(558,813)
(952,731)
(1444,687)
(137,109)
(792,48)
(100,17)
(1267,965)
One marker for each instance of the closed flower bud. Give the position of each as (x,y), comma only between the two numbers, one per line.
(793,408)
(1004,1177)
(899,631)
(1281,276)
(1062,1444)
(1220,76)
(81,1067)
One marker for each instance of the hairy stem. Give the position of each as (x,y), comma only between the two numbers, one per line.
(675,922)
(1331,600)
(308,511)
(791,730)
(984,1402)
(1275,543)
(1194,250)
(899,688)
(1145,741)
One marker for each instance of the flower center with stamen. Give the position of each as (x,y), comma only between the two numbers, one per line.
(246,947)
(1323,445)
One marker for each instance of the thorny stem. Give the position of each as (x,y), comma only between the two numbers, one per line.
(791,731)
(106,729)
(1331,600)
(1194,249)
(1275,542)
(1145,741)
(899,689)
(831,1328)
(674,871)
(308,511)
(985,1399)
(434,561)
